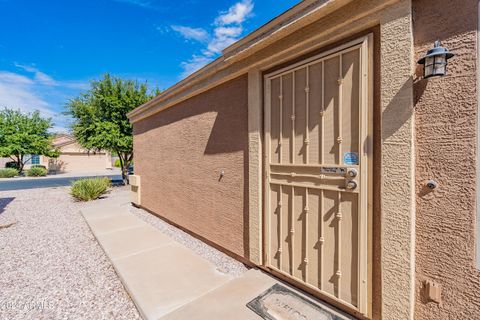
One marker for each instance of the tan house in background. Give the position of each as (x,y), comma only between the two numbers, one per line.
(74,158)
(315,149)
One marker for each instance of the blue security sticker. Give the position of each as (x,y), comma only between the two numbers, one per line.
(350,158)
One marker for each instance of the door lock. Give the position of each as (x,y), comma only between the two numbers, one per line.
(352,173)
(351,185)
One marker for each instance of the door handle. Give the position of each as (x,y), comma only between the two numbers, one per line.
(352,173)
(351,185)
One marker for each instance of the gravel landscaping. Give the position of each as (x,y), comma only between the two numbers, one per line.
(51,266)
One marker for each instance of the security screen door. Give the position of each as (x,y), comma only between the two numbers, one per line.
(317,142)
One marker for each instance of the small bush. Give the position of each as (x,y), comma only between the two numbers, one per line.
(36,172)
(11,164)
(8,173)
(89,189)
(38,166)
(118,164)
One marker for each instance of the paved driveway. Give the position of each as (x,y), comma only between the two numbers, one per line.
(58,180)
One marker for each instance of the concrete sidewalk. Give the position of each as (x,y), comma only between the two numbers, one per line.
(169,281)
(98,173)
(160,274)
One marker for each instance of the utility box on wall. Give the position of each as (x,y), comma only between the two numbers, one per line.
(135,189)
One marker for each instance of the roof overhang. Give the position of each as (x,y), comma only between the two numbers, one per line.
(290,21)
(70,140)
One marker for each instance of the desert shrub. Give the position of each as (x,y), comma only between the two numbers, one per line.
(38,166)
(36,172)
(8,173)
(11,164)
(89,189)
(118,164)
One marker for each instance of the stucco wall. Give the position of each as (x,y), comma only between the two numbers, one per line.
(180,153)
(78,162)
(75,158)
(445,138)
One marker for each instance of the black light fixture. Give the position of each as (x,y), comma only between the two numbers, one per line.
(435,62)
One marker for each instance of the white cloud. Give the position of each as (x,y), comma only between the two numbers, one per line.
(33,90)
(189,33)
(237,13)
(218,44)
(139,3)
(228,29)
(194,64)
(10,77)
(224,36)
(39,76)
(18,92)
(74,84)
(59,129)
(61,124)
(228,32)
(42,78)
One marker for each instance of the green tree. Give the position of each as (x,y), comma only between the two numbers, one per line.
(100,116)
(23,135)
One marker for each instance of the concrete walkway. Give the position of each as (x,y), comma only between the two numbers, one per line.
(169,281)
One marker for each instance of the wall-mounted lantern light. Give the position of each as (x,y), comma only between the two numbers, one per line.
(435,62)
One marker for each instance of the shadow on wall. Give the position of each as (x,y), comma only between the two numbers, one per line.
(230,121)
(395,113)
(419,85)
(4,202)
(229,133)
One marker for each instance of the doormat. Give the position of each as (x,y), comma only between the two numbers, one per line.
(281,303)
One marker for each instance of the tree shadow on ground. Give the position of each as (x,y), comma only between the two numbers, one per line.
(4,202)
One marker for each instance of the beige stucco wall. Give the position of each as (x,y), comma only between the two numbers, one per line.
(77,162)
(74,158)
(397,165)
(180,154)
(446,113)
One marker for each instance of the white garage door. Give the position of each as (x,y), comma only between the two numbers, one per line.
(79,162)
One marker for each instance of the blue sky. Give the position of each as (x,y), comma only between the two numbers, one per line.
(49,50)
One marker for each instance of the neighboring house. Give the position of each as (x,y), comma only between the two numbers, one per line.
(308,147)
(30,160)
(73,157)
